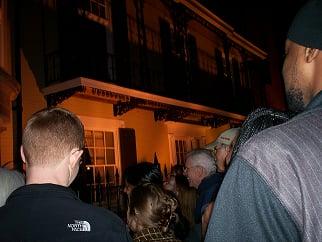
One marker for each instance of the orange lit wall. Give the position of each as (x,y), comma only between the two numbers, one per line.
(32,98)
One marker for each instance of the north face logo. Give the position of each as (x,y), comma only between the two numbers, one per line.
(80,226)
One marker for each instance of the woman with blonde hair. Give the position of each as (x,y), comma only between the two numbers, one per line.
(151,214)
(186,195)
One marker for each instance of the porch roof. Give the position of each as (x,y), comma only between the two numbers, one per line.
(124,99)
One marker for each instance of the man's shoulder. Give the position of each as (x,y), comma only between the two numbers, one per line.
(285,137)
(296,143)
(288,160)
(99,214)
(66,218)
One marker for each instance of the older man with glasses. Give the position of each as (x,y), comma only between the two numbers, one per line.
(200,169)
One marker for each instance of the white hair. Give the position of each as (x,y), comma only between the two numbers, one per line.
(203,158)
(10,181)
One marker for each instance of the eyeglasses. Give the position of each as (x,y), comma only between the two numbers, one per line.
(219,146)
(185,169)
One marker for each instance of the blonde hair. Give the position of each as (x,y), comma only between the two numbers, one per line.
(150,207)
(187,197)
(50,135)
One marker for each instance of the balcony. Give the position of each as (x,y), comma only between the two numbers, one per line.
(176,80)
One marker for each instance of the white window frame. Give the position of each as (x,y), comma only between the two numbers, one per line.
(107,125)
(190,144)
(89,13)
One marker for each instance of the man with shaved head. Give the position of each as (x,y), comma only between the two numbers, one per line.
(46,209)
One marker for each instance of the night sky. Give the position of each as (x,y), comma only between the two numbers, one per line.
(265,23)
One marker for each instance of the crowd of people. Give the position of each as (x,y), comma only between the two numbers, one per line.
(258,182)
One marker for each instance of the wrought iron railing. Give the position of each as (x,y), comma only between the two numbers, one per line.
(63,65)
(204,86)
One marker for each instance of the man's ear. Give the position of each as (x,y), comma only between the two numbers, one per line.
(75,155)
(22,153)
(311,54)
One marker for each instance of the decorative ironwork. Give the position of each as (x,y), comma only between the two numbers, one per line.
(139,6)
(58,97)
(124,103)
(214,122)
(121,108)
(170,114)
(214,29)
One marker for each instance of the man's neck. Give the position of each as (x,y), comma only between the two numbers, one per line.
(41,175)
(221,170)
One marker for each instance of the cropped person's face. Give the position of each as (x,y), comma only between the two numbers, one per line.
(221,153)
(127,188)
(170,185)
(190,171)
(295,76)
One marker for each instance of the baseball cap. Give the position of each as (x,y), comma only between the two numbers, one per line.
(225,138)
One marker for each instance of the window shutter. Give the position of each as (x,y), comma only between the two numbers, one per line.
(127,147)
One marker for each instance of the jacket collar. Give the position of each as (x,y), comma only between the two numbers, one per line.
(315,102)
(42,190)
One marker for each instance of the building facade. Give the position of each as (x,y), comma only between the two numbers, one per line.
(9,86)
(150,79)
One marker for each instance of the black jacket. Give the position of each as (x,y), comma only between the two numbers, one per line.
(48,212)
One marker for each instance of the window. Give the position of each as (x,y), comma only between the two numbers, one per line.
(153,40)
(132,30)
(100,145)
(102,159)
(207,62)
(181,145)
(96,10)
(99,8)
(181,151)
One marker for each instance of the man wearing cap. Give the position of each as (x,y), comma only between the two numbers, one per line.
(222,149)
(200,169)
(272,190)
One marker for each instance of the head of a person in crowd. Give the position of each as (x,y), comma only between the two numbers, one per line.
(178,169)
(150,207)
(171,184)
(52,145)
(186,195)
(258,120)
(10,180)
(222,148)
(302,69)
(199,164)
(143,172)
(176,172)
(175,183)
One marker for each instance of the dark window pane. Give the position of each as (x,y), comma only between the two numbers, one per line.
(110,156)
(89,138)
(109,139)
(100,156)
(99,139)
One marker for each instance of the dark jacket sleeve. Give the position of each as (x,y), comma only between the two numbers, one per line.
(246,209)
